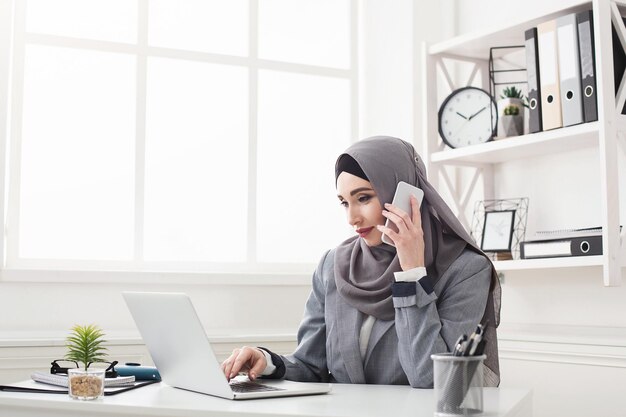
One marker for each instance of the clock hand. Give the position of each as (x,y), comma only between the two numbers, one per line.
(475,114)
(467,121)
(462,115)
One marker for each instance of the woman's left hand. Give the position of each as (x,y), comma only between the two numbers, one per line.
(409,239)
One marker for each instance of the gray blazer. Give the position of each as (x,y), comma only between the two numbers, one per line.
(399,350)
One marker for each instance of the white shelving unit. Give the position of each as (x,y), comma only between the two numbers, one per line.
(604,135)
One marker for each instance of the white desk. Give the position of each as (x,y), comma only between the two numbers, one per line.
(344,401)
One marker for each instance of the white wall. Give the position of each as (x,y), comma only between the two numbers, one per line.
(390,100)
(385,57)
(560,305)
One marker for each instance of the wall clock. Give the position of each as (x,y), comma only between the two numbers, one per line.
(468,116)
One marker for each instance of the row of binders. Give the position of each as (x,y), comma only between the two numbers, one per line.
(560,63)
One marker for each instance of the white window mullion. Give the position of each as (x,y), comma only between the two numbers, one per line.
(76,43)
(17,90)
(253,72)
(140,123)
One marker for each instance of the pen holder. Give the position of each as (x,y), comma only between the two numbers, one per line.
(458,384)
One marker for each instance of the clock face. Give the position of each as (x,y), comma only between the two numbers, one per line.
(468,116)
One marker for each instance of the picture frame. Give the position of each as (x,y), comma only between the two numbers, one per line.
(519,205)
(498,231)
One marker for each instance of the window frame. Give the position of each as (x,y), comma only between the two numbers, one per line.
(15,38)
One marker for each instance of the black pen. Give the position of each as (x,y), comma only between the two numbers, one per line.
(478,336)
(470,343)
(473,341)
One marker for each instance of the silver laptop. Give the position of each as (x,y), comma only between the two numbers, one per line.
(180,349)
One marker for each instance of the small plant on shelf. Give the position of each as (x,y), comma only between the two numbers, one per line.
(512,92)
(511,110)
(511,115)
(85,346)
(511,123)
(512,96)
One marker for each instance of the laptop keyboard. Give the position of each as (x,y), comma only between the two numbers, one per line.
(247,386)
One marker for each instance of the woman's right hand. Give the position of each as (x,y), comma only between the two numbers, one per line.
(245,359)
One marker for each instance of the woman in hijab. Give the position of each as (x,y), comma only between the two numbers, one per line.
(377,312)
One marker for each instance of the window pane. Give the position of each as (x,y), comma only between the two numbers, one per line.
(315,32)
(196,193)
(108,20)
(304,124)
(78,143)
(215,26)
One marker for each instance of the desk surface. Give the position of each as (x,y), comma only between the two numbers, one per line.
(345,400)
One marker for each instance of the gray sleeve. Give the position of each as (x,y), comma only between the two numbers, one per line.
(308,362)
(431,323)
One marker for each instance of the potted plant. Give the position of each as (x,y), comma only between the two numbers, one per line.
(84,345)
(511,96)
(511,114)
(511,122)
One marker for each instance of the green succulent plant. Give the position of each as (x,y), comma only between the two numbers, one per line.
(511,92)
(84,345)
(511,111)
(514,92)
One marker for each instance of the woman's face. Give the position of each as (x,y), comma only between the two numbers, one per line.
(363,209)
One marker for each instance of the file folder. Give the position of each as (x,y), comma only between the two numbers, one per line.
(569,70)
(619,62)
(577,246)
(587,65)
(532,74)
(550,84)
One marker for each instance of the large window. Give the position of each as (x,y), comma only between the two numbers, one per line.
(178,134)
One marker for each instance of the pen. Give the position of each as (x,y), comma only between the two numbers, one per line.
(474,339)
(458,346)
(468,346)
(478,336)
(480,348)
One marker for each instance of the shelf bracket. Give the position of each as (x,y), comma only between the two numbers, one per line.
(444,71)
(446,74)
(461,202)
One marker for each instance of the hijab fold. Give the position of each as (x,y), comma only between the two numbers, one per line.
(364,274)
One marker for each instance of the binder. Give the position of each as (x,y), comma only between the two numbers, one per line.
(532,74)
(576,246)
(587,54)
(549,76)
(569,70)
(619,62)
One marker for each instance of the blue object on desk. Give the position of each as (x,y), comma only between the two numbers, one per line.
(141,373)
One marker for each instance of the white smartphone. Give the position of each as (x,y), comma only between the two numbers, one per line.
(401,199)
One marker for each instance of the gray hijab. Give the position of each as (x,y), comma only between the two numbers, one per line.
(364,274)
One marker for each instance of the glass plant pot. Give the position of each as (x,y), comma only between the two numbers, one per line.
(86,385)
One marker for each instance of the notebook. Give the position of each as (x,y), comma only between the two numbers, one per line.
(181,351)
(62,380)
